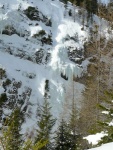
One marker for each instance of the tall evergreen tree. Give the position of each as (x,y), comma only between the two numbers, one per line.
(73,128)
(12,139)
(63,141)
(3,100)
(94,6)
(73,122)
(29,145)
(45,120)
(107,110)
(88,7)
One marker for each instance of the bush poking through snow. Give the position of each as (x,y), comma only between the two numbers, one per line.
(32,13)
(2,73)
(39,34)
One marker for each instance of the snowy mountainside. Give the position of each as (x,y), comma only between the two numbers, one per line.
(40,41)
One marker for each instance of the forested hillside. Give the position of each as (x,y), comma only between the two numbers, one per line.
(56,74)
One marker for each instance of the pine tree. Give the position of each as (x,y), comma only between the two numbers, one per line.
(107,109)
(94,6)
(73,128)
(88,7)
(12,139)
(3,100)
(67,138)
(29,145)
(63,141)
(45,120)
(73,122)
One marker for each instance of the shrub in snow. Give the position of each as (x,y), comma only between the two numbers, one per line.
(10,30)
(47,40)
(45,20)
(6,83)
(3,99)
(39,56)
(31,75)
(42,33)
(75,38)
(32,13)
(48,22)
(39,34)
(17,84)
(2,73)
(47,58)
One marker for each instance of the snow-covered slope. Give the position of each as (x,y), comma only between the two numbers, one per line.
(108,146)
(40,41)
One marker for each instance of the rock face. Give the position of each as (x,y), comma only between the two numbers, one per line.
(40,41)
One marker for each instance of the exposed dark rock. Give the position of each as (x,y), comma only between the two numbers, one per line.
(47,58)
(64,76)
(75,55)
(39,56)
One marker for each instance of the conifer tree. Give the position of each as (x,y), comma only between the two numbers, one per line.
(29,145)
(94,6)
(88,7)
(63,141)
(3,100)
(107,109)
(67,137)
(45,120)
(12,139)
(73,128)
(73,124)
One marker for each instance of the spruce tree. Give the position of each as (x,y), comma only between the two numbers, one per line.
(63,141)
(94,6)
(29,145)
(107,110)
(73,128)
(3,100)
(12,139)
(73,122)
(88,7)
(45,120)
